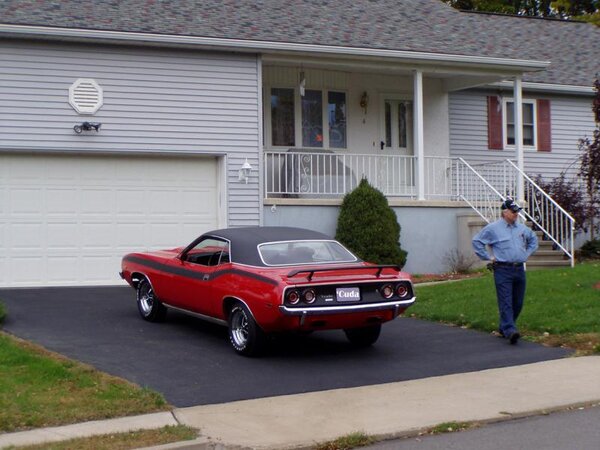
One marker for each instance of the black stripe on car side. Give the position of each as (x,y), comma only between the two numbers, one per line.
(181,271)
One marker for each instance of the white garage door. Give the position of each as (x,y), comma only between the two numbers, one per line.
(68,220)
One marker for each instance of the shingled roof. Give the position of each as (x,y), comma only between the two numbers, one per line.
(428,26)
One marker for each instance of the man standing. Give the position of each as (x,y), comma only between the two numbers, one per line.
(511,243)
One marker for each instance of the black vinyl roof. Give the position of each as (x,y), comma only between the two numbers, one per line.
(245,240)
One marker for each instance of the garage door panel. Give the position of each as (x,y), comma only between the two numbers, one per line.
(131,202)
(26,201)
(62,269)
(67,219)
(62,235)
(25,235)
(61,201)
(26,270)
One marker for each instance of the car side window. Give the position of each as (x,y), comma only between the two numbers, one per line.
(209,252)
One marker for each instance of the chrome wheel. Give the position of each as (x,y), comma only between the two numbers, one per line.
(145,298)
(246,337)
(149,306)
(239,327)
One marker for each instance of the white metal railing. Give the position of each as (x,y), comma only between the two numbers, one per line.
(482,186)
(547,215)
(477,192)
(324,174)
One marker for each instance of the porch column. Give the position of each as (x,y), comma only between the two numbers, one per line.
(518,114)
(418,132)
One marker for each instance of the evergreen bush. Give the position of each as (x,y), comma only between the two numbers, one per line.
(591,249)
(368,226)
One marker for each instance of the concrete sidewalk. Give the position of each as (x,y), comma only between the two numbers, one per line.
(383,411)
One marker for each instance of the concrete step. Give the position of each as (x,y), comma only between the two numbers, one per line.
(543,264)
(547,255)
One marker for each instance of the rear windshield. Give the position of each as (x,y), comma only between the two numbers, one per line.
(304,252)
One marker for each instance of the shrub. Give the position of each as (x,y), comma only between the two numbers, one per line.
(591,249)
(458,262)
(368,226)
(2,313)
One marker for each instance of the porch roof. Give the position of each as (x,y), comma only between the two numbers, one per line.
(424,27)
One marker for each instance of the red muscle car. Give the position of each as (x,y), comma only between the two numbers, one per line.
(261,280)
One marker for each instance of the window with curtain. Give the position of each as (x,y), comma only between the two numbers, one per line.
(322,120)
(528,123)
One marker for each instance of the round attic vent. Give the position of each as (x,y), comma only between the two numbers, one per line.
(85,96)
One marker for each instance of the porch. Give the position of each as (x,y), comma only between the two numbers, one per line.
(313,178)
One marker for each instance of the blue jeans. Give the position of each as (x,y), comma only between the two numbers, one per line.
(510,292)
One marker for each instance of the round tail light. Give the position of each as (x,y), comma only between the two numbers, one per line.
(387,291)
(293,297)
(401,290)
(309,296)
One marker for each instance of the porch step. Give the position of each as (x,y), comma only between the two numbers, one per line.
(547,255)
(541,264)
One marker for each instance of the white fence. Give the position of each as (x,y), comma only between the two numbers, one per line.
(321,174)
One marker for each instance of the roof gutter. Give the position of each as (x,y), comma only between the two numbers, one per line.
(241,45)
(547,87)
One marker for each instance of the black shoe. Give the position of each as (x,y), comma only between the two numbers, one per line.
(514,337)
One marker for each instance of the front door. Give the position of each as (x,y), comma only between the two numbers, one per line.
(398,172)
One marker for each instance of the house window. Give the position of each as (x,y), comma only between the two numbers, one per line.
(320,119)
(396,129)
(529,125)
(282,117)
(336,111)
(312,119)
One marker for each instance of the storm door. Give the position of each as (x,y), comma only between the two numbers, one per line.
(397,173)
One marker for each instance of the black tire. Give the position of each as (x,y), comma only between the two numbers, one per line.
(365,336)
(149,306)
(245,336)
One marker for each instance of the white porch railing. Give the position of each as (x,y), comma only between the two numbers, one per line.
(483,185)
(322,174)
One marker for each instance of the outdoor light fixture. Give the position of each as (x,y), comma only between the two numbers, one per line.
(87,126)
(364,101)
(244,172)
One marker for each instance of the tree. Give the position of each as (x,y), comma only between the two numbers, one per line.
(369,227)
(590,163)
(587,10)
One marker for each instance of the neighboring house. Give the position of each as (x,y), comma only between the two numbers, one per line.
(200,104)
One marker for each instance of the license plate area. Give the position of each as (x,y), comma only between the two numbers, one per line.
(347,294)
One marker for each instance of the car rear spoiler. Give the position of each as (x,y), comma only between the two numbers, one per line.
(311,272)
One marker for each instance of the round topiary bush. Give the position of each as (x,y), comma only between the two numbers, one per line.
(368,226)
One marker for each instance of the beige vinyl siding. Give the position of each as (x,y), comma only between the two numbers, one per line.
(164,101)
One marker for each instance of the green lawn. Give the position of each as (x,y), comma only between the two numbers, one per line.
(562,306)
(39,389)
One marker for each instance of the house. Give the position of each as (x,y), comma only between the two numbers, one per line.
(140,124)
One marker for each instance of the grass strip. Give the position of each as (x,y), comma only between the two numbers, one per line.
(352,440)
(121,441)
(39,388)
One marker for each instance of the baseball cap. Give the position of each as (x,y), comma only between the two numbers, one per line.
(509,203)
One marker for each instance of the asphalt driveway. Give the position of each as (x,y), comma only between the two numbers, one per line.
(191,362)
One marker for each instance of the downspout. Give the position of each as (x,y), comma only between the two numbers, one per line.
(418,132)
(518,113)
